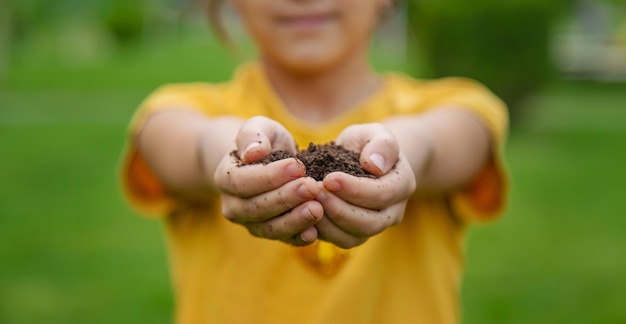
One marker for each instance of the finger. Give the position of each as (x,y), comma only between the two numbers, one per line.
(378,147)
(259,136)
(328,231)
(359,221)
(269,204)
(309,234)
(378,193)
(251,180)
(304,238)
(288,226)
(379,155)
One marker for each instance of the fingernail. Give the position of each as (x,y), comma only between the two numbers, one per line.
(378,160)
(321,196)
(308,236)
(307,215)
(294,170)
(333,186)
(251,146)
(304,192)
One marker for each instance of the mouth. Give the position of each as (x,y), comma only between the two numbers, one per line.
(306,22)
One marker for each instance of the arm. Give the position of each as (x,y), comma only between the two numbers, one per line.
(438,151)
(184,148)
(189,154)
(445,147)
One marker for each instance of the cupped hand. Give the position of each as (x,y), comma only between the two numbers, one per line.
(259,136)
(275,200)
(357,208)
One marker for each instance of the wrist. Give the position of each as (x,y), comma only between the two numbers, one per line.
(206,165)
(426,149)
(417,142)
(214,142)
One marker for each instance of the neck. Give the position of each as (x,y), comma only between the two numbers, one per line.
(319,97)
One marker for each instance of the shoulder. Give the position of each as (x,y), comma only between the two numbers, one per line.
(207,97)
(191,89)
(410,94)
(404,84)
(197,95)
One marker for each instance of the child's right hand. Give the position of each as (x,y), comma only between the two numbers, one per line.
(273,201)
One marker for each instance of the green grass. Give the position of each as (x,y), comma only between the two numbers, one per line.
(557,255)
(71,251)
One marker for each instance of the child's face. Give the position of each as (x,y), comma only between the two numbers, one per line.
(307,36)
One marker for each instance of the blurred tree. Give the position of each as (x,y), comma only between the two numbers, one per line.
(503,44)
(29,15)
(126,20)
(18,19)
(5,38)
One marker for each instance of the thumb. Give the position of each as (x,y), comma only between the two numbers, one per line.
(378,148)
(259,136)
(380,155)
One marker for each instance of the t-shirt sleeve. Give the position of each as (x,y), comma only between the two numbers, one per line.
(140,185)
(485,198)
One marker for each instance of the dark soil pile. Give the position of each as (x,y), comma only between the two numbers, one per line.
(322,159)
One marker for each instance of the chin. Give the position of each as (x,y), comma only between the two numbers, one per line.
(308,68)
(310,63)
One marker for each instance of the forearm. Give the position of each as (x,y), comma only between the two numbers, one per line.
(445,147)
(184,148)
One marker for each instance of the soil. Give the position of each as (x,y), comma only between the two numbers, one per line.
(322,159)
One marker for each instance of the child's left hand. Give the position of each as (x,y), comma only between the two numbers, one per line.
(358,208)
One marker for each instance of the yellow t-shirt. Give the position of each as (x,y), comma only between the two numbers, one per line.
(409,273)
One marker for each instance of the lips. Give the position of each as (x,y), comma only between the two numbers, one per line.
(306,22)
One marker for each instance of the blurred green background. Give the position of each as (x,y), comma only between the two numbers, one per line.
(72,73)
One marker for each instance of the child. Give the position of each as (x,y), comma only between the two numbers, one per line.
(265,244)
